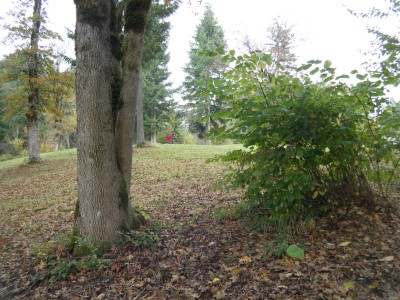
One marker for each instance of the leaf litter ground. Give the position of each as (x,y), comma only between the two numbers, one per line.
(201,254)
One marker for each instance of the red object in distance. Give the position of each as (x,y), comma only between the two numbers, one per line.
(169,138)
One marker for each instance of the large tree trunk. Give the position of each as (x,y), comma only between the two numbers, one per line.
(139,112)
(103,207)
(33,97)
(105,148)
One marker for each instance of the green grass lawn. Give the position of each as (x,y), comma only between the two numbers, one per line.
(44,156)
(161,151)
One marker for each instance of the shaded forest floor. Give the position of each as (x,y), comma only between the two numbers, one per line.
(202,250)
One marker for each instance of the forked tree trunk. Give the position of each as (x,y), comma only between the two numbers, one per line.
(33,97)
(105,148)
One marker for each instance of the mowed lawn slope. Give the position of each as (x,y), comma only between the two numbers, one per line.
(203,252)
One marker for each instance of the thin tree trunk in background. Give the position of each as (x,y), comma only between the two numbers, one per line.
(153,125)
(208,142)
(33,97)
(139,112)
(67,142)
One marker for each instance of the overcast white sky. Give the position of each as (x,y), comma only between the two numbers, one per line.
(324,28)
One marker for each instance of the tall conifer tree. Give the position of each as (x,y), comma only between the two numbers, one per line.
(209,37)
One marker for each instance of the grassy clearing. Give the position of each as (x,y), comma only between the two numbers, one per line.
(159,151)
(44,156)
(203,249)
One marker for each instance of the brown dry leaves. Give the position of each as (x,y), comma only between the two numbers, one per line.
(352,253)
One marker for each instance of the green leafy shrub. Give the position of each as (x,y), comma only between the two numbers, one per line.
(19,146)
(308,144)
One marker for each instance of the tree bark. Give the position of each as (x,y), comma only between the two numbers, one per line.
(102,209)
(136,17)
(105,147)
(33,97)
(139,112)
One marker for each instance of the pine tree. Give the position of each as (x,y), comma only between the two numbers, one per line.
(209,37)
(155,74)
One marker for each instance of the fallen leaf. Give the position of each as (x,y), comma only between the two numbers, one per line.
(130,257)
(295,252)
(245,259)
(216,279)
(220,295)
(344,244)
(387,258)
(348,285)
(374,285)
(42,265)
(236,271)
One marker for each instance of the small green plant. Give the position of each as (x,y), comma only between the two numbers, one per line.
(276,249)
(146,238)
(67,254)
(222,213)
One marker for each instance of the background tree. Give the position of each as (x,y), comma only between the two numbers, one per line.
(60,116)
(12,105)
(280,41)
(28,34)
(157,94)
(56,102)
(106,89)
(209,37)
(155,74)
(280,45)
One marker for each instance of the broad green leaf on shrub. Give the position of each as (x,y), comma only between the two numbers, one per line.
(295,251)
(312,72)
(327,64)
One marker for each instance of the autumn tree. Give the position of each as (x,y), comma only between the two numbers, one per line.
(33,41)
(107,79)
(209,38)
(60,113)
(56,107)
